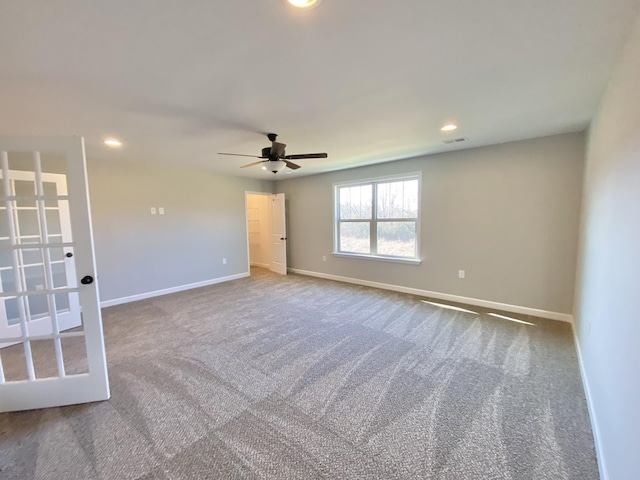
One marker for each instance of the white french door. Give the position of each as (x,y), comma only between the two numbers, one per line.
(278,234)
(51,340)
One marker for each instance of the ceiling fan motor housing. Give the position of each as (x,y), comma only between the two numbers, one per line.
(274,159)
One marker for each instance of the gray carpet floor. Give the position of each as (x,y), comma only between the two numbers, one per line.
(291,377)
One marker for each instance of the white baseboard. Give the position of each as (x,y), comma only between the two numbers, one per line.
(563,317)
(602,465)
(166,291)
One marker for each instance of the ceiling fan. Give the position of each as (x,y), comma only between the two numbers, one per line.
(274,157)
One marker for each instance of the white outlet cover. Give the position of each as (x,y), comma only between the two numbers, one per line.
(153,210)
(161,210)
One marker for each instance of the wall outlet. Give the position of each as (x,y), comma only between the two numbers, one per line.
(153,210)
(460,273)
(224,261)
(324,258)
(161,210)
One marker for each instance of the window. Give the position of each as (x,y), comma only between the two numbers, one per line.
(378,218)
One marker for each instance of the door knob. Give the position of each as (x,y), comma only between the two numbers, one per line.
(69,255)
(87,280)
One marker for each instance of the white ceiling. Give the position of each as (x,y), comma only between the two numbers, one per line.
(365,81)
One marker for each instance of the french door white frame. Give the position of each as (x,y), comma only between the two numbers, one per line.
(62,389)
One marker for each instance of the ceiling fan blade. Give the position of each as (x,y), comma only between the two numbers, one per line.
(252,164)
(291,165)
(278,149)
(305,155)
(239,155)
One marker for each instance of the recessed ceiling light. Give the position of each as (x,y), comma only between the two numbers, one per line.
(113,142)
(304,3)
(449,127)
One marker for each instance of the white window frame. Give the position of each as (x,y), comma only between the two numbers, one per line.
(374,221)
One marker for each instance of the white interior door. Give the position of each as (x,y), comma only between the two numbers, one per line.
(278,234)
(47,278)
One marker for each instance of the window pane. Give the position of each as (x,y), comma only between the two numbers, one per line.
(7,281)
(355,202)
(354,237)
(24,188)
(11,308)
(62,301)
(49,189)
(27,222)
(74,353)
(59,272)
(397,239)
(34,277)
(53,221)
(397,199)
(31,256)
(38,306)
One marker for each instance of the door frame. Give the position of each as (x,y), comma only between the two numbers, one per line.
(246,218)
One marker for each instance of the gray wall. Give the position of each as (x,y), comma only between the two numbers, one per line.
(608,309)
(137,252)
(507,214)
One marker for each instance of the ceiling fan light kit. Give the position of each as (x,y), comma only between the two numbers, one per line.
(304,4)
(274,158)
(275,166)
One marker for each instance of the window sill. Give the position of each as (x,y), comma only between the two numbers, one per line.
(409,261)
